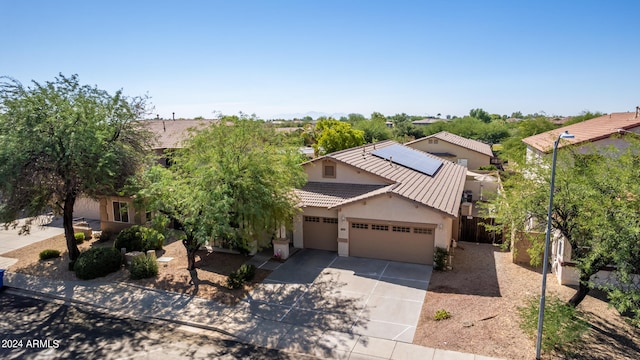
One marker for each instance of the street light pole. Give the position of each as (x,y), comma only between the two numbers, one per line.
(545,260)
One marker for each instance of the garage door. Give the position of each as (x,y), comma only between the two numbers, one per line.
(393,241)
(320,233)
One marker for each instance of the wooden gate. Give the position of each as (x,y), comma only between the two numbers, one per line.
(473,230)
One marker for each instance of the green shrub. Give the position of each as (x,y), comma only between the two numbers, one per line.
(488,167)
(441,314)
(79,237)
(97,262)
(237,278)
(143,267)
(563,325)
(440,258)
(49,254)
(139,238)
(102,236)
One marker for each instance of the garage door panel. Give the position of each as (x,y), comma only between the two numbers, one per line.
(395,242)
(320,233)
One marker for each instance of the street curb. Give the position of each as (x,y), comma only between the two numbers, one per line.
(103,309)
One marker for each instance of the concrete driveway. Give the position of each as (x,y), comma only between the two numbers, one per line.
(361,296)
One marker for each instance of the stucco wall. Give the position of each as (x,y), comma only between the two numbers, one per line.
(474,159)
(344,174)
(87,208)
(107,221)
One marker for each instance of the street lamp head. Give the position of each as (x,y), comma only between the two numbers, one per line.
(566,135)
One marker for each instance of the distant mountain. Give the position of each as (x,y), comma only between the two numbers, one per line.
(313,114)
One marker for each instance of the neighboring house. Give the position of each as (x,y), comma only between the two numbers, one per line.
(470,153)
(117,212)
(383,200)
(598,132)
(603,131)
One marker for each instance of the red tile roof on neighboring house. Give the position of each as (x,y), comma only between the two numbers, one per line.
(442,191)
(587,131)
(470,144)
(171,133)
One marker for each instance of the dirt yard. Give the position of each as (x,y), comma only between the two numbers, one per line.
(483,291)
(213,269)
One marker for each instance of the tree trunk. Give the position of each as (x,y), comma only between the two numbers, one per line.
(67,221)
(582,292)
(192,247)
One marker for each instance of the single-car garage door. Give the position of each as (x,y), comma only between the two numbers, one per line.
(320,233)
(392,241)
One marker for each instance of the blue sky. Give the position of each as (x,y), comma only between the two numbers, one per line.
(276,57)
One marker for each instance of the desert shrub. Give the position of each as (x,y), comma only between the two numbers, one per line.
(102,236)
(143,267)
(563,325)
(238,278)
(49,254)
(440,258)
(97,262)
(79,236)
(139,238)
(488,167)
(441,314)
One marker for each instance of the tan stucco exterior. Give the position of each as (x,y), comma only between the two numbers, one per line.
(474,159)
(344,174)
(107,220)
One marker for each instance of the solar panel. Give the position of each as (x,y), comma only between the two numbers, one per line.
(409,158)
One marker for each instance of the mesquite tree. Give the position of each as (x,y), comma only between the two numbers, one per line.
(60,140)
(233,180)
(596,209)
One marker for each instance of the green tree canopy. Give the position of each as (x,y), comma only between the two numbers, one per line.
(480,114)
(333,135)
(231,181)
(60,140)
(596,208)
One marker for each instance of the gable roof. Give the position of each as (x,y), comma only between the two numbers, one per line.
(586,131)
(442,191)
(331,194)
(470,144)
(169,134)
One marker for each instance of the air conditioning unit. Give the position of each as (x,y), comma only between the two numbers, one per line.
(466,209)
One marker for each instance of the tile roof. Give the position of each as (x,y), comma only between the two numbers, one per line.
(442,191)
(171,133)
(470,144)
(587,131)
(319,194)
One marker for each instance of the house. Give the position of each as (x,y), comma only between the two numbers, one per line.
(383,201)
(118,212)
(470,153)
(603,131)
(427,121)
(598,132)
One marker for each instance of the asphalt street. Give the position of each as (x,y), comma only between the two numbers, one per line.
(49,329)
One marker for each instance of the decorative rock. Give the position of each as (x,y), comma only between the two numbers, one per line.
(151,254)
(132,255)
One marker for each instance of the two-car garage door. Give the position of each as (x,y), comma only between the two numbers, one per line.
(392,241)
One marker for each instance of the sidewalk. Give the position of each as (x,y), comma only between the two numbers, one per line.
(236,323)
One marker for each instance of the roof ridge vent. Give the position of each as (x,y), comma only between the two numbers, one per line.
(637,111)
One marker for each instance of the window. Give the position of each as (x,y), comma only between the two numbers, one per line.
(359,226)
(380,227)
(311,219)
(435,141)
(120,211)
(330,221)
(329,170)
(430,141)
(422,231)
(403,229)
(148,216)
(462,162)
